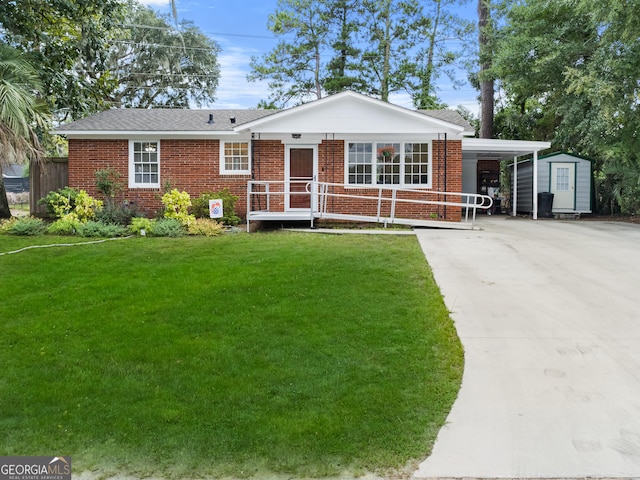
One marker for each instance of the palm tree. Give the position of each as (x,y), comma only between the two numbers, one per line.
(21,112)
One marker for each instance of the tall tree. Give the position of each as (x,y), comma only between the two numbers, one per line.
(68,40)
(157,66)
(21,113)
(487,91)
(436,57)
(574,67)
(394,28)
(294,68)
(341,69)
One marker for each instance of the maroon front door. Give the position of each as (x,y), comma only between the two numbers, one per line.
(300,173)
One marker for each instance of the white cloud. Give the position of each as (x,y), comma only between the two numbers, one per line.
(234,66)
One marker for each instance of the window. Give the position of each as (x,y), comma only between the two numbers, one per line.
(562,180)
(360,163)
(388,164)
(144,164)
(399,163)
(416,163)
(234,158)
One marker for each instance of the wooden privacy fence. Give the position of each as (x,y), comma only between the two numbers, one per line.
(46,177)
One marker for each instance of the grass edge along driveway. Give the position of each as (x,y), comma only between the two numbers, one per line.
(281,353)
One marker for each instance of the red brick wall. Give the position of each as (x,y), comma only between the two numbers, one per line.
(189,165)
(193,166)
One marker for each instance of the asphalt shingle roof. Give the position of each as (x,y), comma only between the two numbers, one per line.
(164,120)
(187,120)
(450,116)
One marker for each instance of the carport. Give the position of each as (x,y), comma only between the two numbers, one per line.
(478,150)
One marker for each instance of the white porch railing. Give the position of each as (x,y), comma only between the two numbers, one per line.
(386,199)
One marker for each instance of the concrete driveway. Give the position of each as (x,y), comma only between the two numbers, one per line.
(549,316)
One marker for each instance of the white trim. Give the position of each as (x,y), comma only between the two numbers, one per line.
(223,169)
(380,141)
(132,174)
(287,174)
(421,117)
(519,147)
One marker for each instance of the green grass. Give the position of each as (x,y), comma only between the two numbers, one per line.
(285,353)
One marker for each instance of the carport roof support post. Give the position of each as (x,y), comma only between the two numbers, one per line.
(535,184)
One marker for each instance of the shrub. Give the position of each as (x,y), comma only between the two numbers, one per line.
(67,225)
(141,223)
(118,214)
(109,183)
(60,202)
(102,230)
(206,227)
(24,226)
(176,206)
(71,201)
(168,227)
(200,207)
(86,206)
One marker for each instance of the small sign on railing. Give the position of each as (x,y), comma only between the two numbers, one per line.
(215,208)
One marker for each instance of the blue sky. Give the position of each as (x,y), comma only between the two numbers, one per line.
(240,28)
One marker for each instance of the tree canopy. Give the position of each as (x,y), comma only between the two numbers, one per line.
(158,66)
(370,46)
(569,71)
(97,54)
(68,40)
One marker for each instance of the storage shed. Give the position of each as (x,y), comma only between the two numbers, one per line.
(568,177)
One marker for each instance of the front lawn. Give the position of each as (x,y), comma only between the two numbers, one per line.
(296,354)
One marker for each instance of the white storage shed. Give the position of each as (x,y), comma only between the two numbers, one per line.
(568,177)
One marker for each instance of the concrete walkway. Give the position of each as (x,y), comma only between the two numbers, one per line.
(549,316)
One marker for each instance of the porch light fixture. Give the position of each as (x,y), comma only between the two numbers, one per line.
(296,135)
(211,122)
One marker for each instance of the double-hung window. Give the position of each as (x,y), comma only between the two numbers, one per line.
(144,164)
(388,163)
(235,158)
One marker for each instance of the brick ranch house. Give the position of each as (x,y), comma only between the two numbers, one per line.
(360,150)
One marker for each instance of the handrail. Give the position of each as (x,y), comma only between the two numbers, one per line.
(321,190)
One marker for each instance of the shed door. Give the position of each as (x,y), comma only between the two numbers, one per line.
(563,186)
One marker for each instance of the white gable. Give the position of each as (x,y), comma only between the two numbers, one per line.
(350,113)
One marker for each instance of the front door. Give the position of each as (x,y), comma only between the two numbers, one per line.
(301,172)
(563,186)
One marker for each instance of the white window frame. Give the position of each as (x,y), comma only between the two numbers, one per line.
(375,145)
(132,164)
(223,167)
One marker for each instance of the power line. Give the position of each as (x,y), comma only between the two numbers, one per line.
(147,44)
(221,34)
